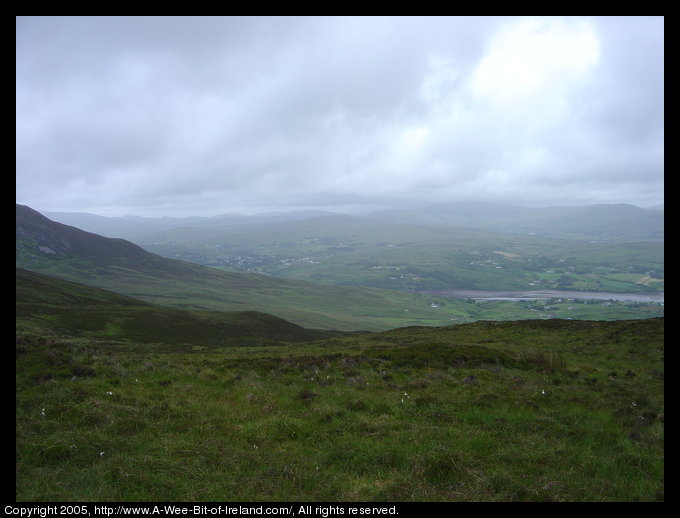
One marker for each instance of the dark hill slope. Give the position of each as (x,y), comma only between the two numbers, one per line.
(51,238)
(46,306)
(43,244)
(34,288)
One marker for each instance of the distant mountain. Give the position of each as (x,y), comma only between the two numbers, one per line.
(461,214)
(69,253)
(618,222)
(52,307)
(132,227)
(322,231)
(604,222)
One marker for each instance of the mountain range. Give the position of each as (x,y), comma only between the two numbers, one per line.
(604,222)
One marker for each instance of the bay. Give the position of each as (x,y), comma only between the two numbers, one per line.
(548,294)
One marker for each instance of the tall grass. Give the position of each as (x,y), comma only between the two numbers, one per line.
(543,360)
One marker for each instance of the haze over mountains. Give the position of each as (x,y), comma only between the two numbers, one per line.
(607,222)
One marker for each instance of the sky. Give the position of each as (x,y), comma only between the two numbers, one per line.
(185,116)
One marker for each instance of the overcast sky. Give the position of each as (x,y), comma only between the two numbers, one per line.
(187,116)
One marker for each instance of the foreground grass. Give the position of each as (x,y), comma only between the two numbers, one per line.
(489,411)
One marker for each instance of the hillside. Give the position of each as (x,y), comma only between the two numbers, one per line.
(46,306)
(36,233)
(549,410)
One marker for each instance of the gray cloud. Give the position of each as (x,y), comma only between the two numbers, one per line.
(195,115)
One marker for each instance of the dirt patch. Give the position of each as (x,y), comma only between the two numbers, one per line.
(506,254)
(645,280)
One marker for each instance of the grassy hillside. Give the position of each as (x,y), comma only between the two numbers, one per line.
(52,307)
(489,411)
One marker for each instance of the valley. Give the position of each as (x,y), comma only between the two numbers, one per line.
(427,253)
(463,262)
(352,294)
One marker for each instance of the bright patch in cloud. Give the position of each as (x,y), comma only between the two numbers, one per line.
(535,56)
(413,139)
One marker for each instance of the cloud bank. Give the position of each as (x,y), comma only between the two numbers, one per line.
(199,116)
